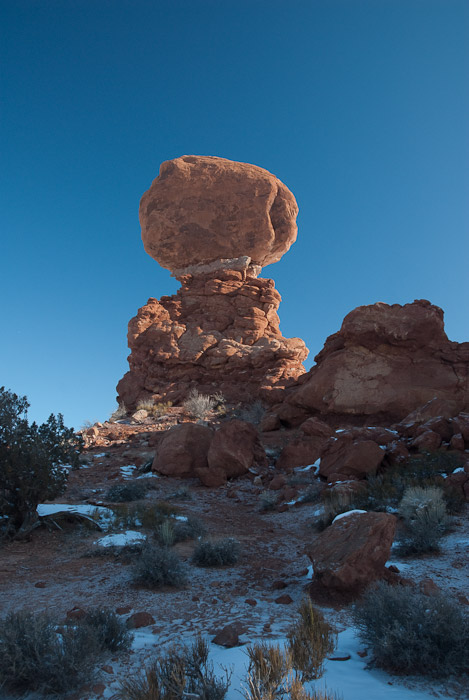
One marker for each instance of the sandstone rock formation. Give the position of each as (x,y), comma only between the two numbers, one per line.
(213,223)
(385,362)
(352,552)
(204,213)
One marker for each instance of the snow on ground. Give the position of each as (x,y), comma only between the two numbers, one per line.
(121,539)
(82,508)
(350,680)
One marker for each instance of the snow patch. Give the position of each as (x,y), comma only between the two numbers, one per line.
(121,539)
(349,512)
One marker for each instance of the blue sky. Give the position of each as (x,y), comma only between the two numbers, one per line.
(360,106)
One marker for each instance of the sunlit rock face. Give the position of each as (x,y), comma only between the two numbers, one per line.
(386,361)
(214,223)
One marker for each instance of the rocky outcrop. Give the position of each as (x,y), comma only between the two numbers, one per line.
(385,362)
(352,552)
(213,223)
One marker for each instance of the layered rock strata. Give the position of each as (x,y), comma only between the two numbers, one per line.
(214,223)
(216,334)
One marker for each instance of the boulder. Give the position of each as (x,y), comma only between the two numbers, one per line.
(234,449)
(350,458)
(315,427)
(301,452)
(428,441)
(202,210)
(352,552)
(385,362)
(183,450)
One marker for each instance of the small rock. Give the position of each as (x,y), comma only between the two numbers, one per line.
(428,587)
(40,584)
(284,599)
(76,613)
(278,585)
(339,657)
(140,619)
(362,653)
(107,669)
(257,481)
(123,609)
(227,637)
(251,601)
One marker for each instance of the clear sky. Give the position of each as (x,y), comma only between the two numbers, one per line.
(361,107)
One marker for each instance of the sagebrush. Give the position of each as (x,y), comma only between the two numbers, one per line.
(158,566)
(424,519)
(409,632)
(217,552)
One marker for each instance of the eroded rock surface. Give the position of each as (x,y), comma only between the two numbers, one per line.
(385,362)
(213,223)
(353,551)
(213,212)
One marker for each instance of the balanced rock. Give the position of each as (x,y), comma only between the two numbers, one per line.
(385,362)
(213,223)
(352,552)
(206,213)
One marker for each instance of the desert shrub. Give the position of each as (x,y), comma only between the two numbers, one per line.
(272,674)
(148,516)
(32,462)
(269,671)
(250,413)
(128,491)
(410,632)
(312,494)
(268,500)
(109,631)
(335,501)
(216,553)
(119,414)
(385,490)
(159,566)
(165,534)
(199,405)
(181,494)
(425,519)
(34,657)
(179,673)
(189,529)
(156,410)
(310,640)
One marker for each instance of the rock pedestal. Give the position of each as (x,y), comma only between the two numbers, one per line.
(214,223)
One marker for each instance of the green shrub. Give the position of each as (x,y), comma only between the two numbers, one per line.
(216,553)
(189,529)
(128,491)
(165,534)
(425,519)
(159,566)
(181,672)
(109,631)
(310,640)
(384,491)
(32,463)
(34,657)
(409,632)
